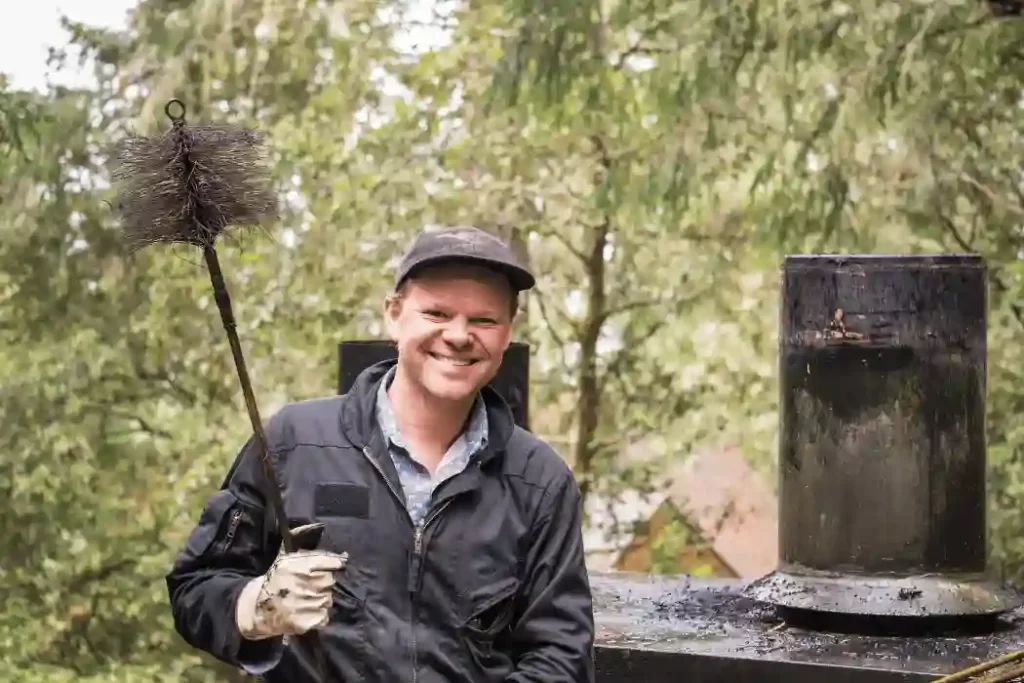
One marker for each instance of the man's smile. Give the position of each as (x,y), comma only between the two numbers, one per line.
(452,360)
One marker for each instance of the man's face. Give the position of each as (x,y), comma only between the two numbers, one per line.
(452,324)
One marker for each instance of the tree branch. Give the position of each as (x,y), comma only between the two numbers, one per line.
(539,298)
(142,423)
(589,388)
(614,367)
(993,199)
(1016,309)
(629,306)
(100,573)
(572,249)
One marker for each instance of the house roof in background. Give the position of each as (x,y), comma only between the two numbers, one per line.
(734,508)
(716,490)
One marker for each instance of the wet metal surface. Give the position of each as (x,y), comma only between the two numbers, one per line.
(922,596)
(695,630)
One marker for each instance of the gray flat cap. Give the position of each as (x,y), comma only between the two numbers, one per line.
(468,245)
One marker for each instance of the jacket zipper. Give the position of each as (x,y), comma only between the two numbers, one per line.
(418,538)
(417,549)
(229,537)
(380,471)
(416,541)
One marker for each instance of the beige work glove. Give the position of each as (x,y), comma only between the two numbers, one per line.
(294,596)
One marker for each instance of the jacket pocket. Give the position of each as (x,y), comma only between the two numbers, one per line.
(349,594)
(219,526)
(491,613)
(348,626)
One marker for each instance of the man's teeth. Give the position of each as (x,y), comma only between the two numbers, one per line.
(453,361)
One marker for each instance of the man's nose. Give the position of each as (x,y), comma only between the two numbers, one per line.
(456,332)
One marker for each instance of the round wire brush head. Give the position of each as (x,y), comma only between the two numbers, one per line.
(191,184)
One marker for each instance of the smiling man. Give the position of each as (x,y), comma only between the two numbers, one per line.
(452,549)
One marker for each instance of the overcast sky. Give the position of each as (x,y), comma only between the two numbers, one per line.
(26,35)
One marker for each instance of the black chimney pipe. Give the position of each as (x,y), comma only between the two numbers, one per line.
(882,364)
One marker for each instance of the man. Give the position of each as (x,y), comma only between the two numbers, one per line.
(452,549)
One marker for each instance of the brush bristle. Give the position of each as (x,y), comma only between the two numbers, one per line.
(190,184)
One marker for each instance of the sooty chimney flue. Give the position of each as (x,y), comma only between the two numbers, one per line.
(882,439)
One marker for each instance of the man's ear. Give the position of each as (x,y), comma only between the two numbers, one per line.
(517,318)
(392,309)
(508,335)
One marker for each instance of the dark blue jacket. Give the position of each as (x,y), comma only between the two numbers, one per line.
(495,589)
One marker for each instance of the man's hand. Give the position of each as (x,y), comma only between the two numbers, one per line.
(294,596)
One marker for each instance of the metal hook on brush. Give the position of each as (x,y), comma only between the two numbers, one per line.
(175,118)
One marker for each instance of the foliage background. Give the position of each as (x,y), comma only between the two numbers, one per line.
(655,161)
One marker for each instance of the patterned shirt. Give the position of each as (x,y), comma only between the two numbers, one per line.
(417,483)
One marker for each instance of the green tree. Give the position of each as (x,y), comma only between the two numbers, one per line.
(654,161)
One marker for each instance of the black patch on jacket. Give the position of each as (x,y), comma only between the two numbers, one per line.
(341,500)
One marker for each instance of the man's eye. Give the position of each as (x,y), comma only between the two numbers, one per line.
(433,314)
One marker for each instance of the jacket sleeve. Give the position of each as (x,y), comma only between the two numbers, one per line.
(555,630)
(233,542)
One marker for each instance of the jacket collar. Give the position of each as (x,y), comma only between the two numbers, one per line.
(359,415)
